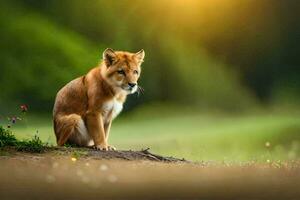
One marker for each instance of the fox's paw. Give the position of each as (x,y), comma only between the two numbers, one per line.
(101,147)
(112,148)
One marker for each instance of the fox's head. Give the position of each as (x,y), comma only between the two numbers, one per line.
(122,69)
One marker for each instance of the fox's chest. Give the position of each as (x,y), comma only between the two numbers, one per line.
(112,107)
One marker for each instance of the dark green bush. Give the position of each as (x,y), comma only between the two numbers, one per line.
(7,138)
(34,145)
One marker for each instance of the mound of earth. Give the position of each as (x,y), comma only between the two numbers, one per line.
(91,153)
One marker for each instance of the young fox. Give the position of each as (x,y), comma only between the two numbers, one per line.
(85,107)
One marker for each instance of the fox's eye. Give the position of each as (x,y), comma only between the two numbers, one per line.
(135,72)
(121,71)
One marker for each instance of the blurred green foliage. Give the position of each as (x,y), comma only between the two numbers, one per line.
(209,56)
(193,135)
(227,54)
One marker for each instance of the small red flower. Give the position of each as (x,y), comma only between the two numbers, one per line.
(24,108)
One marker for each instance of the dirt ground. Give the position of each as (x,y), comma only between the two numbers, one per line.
(88,174)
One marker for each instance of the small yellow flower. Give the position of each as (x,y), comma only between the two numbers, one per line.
(73,159)
(267,144)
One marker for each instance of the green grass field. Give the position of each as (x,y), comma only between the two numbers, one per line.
(194,135)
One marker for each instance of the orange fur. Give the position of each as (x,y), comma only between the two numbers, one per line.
(85,107)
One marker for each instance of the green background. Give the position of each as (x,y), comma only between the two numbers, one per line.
(221,77)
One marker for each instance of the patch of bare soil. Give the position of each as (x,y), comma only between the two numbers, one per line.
(91,153)
(81,173)
(126,155)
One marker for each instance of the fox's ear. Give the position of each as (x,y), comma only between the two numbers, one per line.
(140,55)
(109,57)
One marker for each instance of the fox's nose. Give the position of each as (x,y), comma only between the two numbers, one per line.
(132,84)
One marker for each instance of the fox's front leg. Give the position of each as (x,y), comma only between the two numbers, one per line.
(96,130)
(107,126)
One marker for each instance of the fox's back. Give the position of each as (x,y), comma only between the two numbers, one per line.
(71,98)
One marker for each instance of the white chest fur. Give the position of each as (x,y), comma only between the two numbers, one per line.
(113,106)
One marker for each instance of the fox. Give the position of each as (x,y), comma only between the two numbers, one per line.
(86,106)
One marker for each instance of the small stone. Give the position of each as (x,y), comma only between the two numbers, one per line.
(85,179)
(50,179)
(79,173)
(112,178)
(103,167)
(55,165)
